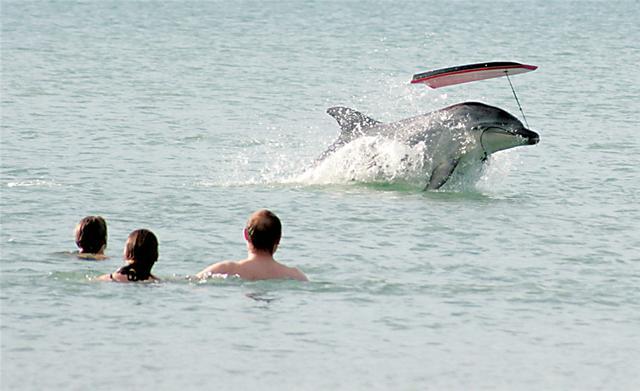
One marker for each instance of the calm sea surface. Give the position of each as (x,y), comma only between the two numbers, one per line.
(184,117)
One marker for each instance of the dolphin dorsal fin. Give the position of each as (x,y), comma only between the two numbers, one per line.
(351,121)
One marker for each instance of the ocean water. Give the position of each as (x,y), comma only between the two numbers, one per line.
(184,117)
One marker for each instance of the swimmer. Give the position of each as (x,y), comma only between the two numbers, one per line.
(91,238)
(140,253)
(262,233)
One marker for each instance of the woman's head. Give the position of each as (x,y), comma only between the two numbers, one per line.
(264,230)
(141,247)
(91,235)
(141,250)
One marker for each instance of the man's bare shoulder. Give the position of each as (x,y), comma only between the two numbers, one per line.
(293,273)
(296,274)
(224,267)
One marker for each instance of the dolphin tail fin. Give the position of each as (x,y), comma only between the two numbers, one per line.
(351,121)
(441,174)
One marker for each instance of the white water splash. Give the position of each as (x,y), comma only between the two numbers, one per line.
(497,169)
(369,159)
(34,183)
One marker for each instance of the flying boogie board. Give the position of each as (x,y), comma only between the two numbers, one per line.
(468,73)
(474,72)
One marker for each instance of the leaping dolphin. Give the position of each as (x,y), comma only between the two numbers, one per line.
(456,135)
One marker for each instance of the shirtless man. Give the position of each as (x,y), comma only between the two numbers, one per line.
(262,233)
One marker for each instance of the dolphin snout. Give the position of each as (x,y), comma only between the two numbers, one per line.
(531,136)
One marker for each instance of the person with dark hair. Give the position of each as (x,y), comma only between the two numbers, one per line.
(140,254)
(262,233)
(91,238)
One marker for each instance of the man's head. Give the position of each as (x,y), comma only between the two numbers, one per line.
(263,231)
(91,235)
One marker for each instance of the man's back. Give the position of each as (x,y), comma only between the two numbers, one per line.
(254,269)
(262,234)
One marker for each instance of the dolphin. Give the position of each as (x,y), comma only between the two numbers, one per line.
(454,136)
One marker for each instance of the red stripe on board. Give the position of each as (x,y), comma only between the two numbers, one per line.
(463,76)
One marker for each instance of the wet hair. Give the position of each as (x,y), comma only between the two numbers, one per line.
(91,234)
(264,230)
(142,250)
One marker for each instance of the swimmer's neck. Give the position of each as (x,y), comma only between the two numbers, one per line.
(97,253)
(259,256)
(90,256)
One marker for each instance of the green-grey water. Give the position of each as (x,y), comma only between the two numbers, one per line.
(184,117)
